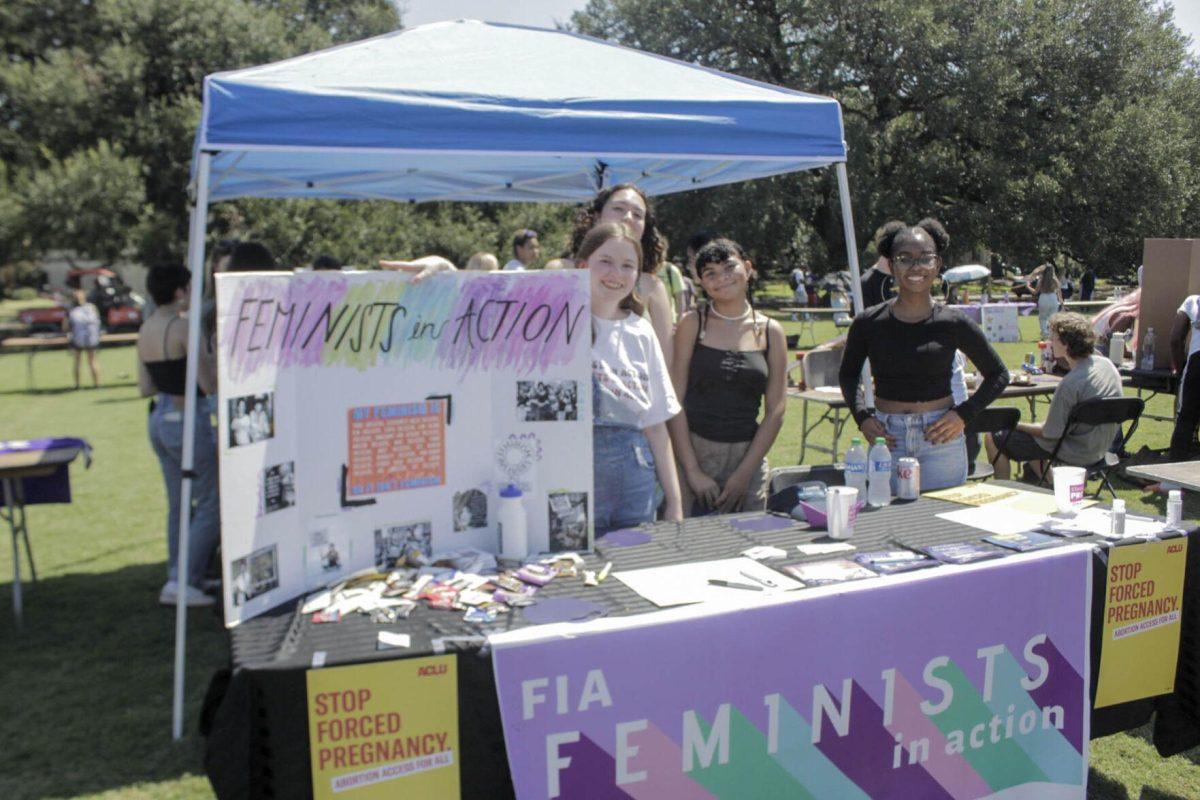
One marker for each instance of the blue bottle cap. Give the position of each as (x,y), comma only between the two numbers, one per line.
(510,491)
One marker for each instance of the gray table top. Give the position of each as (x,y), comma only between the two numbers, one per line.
(1184,473)
(282,639)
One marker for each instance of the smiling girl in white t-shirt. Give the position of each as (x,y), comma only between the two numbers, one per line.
(632,389)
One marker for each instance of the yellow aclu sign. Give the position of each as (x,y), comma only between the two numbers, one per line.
(1143,602)
(384,730)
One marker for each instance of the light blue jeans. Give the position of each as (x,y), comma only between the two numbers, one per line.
(942,465)
(1047,306)
(624,478)
(166,436)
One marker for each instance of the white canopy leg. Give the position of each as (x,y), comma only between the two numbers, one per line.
(196,234)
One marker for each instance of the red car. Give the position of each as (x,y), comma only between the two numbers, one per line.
(120,307)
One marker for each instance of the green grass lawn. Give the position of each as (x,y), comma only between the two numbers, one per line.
(85,689)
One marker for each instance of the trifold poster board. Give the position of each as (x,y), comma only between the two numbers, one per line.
(956,682)
(362,416)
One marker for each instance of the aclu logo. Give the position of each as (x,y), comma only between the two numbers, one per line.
(435,669)
(1175,548)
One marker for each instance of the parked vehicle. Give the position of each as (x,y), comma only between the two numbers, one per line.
(120,307)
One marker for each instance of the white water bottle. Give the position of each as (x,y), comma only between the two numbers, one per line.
(1174,510)
(1116,348)
(879,474)
(856,466)
(514,533)
(1148,350)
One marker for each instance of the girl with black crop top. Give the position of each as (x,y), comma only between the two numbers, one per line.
(162,369)
(728,358)
(911,342)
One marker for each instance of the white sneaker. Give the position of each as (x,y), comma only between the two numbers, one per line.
(193,598)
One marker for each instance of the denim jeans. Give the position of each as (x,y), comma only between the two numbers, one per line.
(624,478)
(166,436)
(942,465)
(1047,306)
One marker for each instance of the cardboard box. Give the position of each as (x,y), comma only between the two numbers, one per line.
(1171,272)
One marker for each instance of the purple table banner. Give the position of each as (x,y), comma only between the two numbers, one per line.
(955,683)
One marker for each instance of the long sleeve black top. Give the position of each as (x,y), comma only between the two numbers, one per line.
(913,361)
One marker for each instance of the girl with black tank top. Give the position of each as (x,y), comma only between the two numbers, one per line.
(728,360)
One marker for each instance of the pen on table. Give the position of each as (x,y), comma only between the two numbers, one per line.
(764,581)
(733,585)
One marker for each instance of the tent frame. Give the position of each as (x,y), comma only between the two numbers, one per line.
(197,233)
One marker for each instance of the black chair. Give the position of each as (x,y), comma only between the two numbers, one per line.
(1101,411)
(1000,422)
(781,483)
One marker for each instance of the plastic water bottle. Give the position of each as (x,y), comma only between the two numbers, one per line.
(1148,350)
(856,466)
(879,474)
(514,532)
(1116,348)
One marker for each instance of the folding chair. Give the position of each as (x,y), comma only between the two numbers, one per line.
(1101,411)
(998,421)
(820,368)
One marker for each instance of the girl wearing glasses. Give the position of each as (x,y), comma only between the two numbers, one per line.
(911,344)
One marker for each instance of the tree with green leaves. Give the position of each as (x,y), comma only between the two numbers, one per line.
(1064,129)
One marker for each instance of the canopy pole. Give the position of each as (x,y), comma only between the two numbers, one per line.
(851,244)
(196,233)
(868,384)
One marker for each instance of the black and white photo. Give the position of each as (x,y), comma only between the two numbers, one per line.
(254,574)
(568,521)
(547,401)
(470,510)
(279,487)
(251,419)
(394,544)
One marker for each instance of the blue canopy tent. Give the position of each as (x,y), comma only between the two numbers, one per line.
(478,111)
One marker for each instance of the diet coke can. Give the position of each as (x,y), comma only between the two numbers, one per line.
(908,479)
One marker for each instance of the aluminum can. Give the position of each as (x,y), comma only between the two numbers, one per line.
(908,479)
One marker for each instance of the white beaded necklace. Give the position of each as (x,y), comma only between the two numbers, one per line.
(749,310)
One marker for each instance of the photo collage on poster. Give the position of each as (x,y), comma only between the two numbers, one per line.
(331,465)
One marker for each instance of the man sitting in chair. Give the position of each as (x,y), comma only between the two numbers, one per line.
(1072,340)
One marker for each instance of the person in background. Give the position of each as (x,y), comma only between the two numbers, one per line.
(631,386)
(1090,376)
(82,324)
(877,283)
(627,204)
(1185,357)
(695,243)
(672,279)
(798,280)
(483,262)
(162,368)
(526,250)
(1087,283)
(251,257)
(1049,294)
(911,342)
(326,262)
(729,359)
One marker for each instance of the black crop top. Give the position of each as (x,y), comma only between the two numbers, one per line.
(725,390)
(913,361)
(169,376)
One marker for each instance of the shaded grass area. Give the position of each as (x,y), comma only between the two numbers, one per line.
(85,689)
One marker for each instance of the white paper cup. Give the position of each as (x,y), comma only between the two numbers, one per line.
(841,508)
(1069,486)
